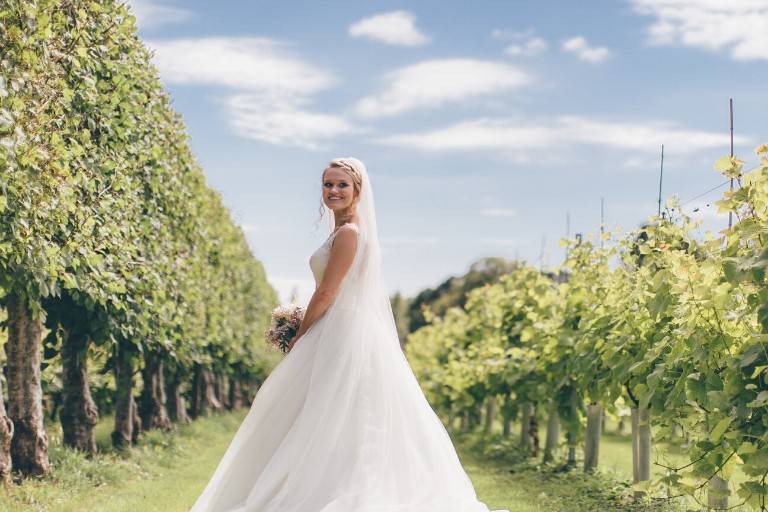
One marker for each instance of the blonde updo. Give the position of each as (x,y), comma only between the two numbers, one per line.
(352,172)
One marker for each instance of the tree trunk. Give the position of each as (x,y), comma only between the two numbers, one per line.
(152,410)
(571,440)
(525,426)
(641,447)
(6,434)
(465,424)
(79,414)
(236,397)
(135,420)
(506,415)
(533,431)
(220,385)
(195,399)
(592,437)
(553,433)
(490,413)
(177,409)
(474,417)
(123,435)
(620,427)
(29,445)
(635,415)
(204,396)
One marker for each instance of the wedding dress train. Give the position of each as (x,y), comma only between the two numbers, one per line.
(341,425)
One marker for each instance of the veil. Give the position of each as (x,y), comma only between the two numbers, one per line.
(363,287)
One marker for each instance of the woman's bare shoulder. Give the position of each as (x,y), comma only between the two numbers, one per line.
(346,235)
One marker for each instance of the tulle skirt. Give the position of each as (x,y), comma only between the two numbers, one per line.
(341,425)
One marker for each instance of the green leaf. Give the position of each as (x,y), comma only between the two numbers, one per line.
(760,401)
(719,429)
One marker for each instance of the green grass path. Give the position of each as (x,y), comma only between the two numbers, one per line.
(166,472)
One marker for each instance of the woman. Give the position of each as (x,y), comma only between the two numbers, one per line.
(341,424)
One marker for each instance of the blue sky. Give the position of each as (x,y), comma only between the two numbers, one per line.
(483,124)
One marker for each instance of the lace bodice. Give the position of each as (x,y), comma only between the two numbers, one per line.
(319,259)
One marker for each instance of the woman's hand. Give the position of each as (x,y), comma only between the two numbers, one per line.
(292,343)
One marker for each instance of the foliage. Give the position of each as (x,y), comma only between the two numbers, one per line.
(657,319)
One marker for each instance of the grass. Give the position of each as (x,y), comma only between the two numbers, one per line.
(550,489)
(167,471)
(503,478)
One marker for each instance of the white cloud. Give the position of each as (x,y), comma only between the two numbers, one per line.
(436,82)
(510,135)
(529,48)
(477,135)
(396,27)
(581,48)
(151,15)
(498,212)
(254,116)
(237,62)
(274,86)
(740,26)
(503,34)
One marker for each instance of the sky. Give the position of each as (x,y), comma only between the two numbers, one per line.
(488,128)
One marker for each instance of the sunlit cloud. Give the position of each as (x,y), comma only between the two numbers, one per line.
(526,134)
(529,48)
(435,83)
(285,122)
(584,51)
(503,34)
(395,28)
(275,87)
(151,15)
(737,26)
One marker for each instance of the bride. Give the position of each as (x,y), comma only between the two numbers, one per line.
(341,424)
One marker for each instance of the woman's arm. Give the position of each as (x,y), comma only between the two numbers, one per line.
(343,250)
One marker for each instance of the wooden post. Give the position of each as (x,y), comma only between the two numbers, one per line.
(717,496)
(592,437)
(490,413)
(553,433)
(717,493)
(641,447)
(635,444)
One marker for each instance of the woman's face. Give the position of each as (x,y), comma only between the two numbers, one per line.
(338,189)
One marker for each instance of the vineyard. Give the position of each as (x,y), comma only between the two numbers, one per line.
(127,292)
(658,323)
(126,288)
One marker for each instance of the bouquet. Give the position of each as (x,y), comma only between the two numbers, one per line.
(284,326)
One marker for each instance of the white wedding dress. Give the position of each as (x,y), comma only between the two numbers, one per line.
(341,424)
